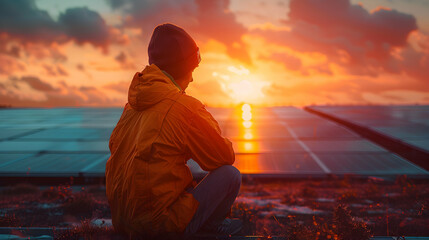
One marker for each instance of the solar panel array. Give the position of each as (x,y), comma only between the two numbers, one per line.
(55,142)
(288,140)
(274,141)
(407,123)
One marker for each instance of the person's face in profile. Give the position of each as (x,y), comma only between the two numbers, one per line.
(185,80)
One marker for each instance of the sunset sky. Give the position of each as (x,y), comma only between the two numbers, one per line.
(298,52)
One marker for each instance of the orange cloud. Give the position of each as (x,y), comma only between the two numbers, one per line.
(323,53)
(37,84)
(55,70)
(290,62)
(9,65)
(120,87)
(215,21)
(363,43)
(205,19)
(123,60)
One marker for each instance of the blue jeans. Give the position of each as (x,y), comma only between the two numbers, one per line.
(216,193)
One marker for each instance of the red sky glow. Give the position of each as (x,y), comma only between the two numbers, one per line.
(270,53)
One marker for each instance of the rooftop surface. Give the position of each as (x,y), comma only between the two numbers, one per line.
(280,141)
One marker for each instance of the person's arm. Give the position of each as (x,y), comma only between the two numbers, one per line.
(205,143)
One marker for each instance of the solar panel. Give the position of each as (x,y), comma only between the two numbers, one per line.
(54,146)
(369,163)
(6,133)
(70,134)
(277,163)
(406,123)
(275,141)
(53,164)
(10,158)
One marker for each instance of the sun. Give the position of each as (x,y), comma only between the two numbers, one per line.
(245,91)
(241,84)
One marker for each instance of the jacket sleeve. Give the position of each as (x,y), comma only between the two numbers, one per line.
(205,143)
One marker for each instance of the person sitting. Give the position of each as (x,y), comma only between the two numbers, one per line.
(150,188)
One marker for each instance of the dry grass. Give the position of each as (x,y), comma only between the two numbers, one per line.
(343,209)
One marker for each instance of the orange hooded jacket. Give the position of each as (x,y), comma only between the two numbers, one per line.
(146,174)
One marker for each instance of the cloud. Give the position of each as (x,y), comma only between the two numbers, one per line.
(61,70)
(147,14)
(121,57)
(208,88)
(210,91)
(361,42)
(217,22)
(49,70)
(290,62)
(415,64)
(59,96)
(55,70)
(80,67)
(201,18)
(114,4)
(349,90)
(22,20)
(9,65)
(377,31)
(123,60)
(13,51)
(84,25)
(36,83)
(120,87)
(38,51)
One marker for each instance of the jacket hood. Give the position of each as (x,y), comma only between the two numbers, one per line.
(150,87)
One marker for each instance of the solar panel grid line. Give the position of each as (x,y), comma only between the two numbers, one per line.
(64,140)
(67,134)
(15,160)
(307,149)
(394,155)
(275,164)
(355,118)
(52,164)
(22,134)
(93,164)
(54,146)
(342,127)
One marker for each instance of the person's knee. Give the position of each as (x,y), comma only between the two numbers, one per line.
(232,173)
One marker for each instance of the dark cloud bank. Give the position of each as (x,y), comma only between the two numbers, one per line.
(22,20)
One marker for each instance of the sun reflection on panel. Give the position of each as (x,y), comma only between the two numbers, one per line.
(247,124)
(249,162)
(246,116)
(246,107)
(247,147)
(248,136)
(250,147)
